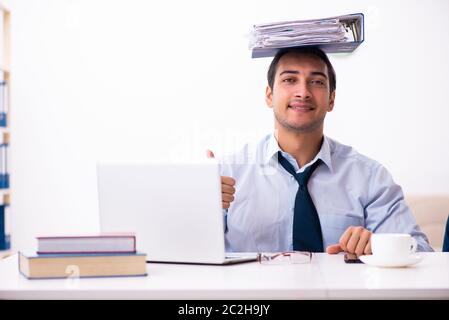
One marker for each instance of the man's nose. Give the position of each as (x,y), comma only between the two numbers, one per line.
(302,91)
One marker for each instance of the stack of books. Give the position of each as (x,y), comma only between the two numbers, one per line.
(104,255)
(335,34)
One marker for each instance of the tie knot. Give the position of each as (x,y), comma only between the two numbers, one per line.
(307,173)
(302,177)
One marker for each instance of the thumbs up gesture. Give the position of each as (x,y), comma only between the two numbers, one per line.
(227,186)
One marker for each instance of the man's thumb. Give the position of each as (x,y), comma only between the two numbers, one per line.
(333,249)
(210,154)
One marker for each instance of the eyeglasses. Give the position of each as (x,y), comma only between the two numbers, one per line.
(293,257)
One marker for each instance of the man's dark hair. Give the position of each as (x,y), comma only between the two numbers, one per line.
(313,51)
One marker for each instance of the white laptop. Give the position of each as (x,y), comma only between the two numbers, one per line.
(173,208)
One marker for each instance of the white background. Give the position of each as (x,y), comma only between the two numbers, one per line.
(112,80)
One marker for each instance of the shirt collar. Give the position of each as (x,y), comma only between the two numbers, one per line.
(272,148)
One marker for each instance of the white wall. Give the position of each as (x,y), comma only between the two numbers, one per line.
(96,79)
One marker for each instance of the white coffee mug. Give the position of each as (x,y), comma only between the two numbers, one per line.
(392,246)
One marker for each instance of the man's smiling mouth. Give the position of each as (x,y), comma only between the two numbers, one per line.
(301,106)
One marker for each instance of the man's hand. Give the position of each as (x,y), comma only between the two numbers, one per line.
(227,187)
(354,240)
(227,191)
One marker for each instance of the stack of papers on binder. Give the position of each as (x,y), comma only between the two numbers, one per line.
(336,34)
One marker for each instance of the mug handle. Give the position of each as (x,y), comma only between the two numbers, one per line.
(413,245)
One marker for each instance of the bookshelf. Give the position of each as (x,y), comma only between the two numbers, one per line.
(5,77)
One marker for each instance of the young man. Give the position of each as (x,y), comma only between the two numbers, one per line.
(299,190)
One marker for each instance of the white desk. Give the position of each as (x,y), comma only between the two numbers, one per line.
(326,277)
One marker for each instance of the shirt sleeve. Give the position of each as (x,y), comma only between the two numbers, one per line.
(446,237)
(386,210)
(225,211)
(225,219)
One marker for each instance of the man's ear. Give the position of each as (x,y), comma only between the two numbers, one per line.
(269,97)
(331,101)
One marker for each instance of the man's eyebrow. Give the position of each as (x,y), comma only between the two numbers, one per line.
(315,73)
(318,73)
(289,71)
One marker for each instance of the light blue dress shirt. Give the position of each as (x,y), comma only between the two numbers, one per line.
(348,189)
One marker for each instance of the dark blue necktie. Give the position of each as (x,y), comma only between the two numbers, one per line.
(307,234)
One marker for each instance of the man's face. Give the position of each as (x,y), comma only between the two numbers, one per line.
(300,96)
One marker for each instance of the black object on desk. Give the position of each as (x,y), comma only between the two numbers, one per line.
(352,258)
